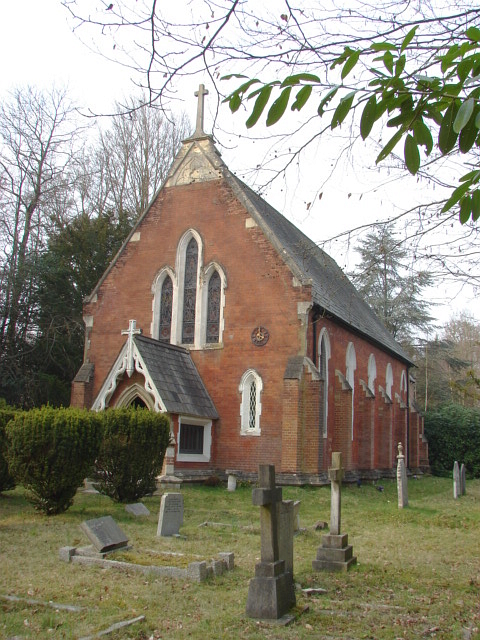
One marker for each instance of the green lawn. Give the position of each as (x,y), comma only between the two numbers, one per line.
(418,571)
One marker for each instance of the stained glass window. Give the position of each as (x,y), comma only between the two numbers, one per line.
(213,308)
(252,414)
(166,310)
(190,292)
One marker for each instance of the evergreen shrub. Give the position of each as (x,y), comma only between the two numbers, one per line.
(131,454)
(7,481)
(50,452)
(453,433)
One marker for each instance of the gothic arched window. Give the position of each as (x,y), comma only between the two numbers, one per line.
(213,307)
(250,408)
(166,306)
(190,292)
(323,357)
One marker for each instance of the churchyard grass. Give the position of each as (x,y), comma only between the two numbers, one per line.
(418,571)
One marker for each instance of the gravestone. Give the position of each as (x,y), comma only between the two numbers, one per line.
(170,518)
(232,482)
(335,554)
(463,479)
(271,592)
(105,534)
(402,485)
(457,489)
(286,518)
(137,509)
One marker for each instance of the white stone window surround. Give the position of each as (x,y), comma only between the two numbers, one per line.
(324,352)
(201,304)
(207,439)
(250,377)
(389,381)
(351,366)
(372,373)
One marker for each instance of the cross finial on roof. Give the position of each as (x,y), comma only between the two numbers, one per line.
(130,332)
(201,93)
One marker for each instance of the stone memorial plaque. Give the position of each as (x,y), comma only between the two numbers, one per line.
(105,534)
(170,518)
(137,509)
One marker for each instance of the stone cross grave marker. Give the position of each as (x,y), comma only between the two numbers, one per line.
(402,486)
(457,488)
(335,554)
(271,592)
(335,475)
(105,534)
(170,518)
(137,509)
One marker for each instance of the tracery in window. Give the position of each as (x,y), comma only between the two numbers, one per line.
(190,292)
(250,407)
(166,306)
(213,307)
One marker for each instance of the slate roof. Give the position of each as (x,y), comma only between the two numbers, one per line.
(176,378)
(332,291)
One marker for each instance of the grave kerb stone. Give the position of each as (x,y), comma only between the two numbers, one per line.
(137,509)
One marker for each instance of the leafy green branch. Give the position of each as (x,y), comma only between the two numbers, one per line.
(441,110)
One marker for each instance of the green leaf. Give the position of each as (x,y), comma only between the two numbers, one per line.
(342,110)
(447,137)
(260,104)
(299,77)
(408,38)
(423,135)
(473,34)
(472,176)
(233,75)
(463,115)
(469,133)
(465,209)
(234,102)
(388,61)
(403,118)
(476,205)
(383,46)
(463,68)
(330,95)
(350,63)
(368,117)
(301,98)
(411,154)
(388,148)
(400,66)
(278,107)
(456,195)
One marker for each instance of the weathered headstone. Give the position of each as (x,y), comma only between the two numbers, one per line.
(463,479)
(271,592)
(296,515)
(457,489)
(232,482)
(105,534)
(335,554)
(137,509)
(170,518)
(402,485)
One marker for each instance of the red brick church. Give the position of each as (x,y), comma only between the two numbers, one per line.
(221,313)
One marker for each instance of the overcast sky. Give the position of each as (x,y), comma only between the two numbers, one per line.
(38,47)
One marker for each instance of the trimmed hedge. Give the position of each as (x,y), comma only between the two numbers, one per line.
(132,452)
(453,433)
(7,481)
(51,451)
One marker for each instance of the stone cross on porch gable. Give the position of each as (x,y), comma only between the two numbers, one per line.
(335,475)
(200,94)
(130,332)
(267,496)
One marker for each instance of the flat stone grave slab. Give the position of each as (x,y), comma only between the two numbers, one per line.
(137,509)
(105,534)
(170,518)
